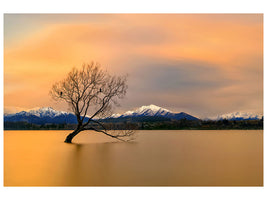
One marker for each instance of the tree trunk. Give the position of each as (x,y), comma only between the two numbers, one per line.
(72,135)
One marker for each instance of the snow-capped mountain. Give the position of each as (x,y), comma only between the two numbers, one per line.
(154,111)
(239,116)
(49,115)
(42,116)
(144,113)
(40,112)
(150,110)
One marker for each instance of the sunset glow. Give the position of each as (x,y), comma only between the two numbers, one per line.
(204,64)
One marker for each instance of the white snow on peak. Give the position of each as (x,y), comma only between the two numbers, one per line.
(153,109)
(115,115)
(41,112)
(243,115)
(149,110)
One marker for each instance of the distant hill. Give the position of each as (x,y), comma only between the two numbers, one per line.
(153,112)
(150,113)
(239,116)
(40,116)
(146,118)
(48,115)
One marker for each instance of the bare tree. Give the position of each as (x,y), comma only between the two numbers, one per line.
(90,92)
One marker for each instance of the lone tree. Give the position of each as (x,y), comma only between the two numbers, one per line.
(90,92)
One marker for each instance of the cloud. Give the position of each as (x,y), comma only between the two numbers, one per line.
(196,63)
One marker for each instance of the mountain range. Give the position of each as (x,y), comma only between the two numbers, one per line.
(151,112)
(239,116)
(154,111)
(49,115)
(40,116)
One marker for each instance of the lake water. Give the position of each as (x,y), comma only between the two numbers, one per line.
(156,158)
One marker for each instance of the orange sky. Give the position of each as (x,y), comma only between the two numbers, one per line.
(202,64)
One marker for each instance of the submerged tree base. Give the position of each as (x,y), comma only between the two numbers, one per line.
(68,141)
(71,136)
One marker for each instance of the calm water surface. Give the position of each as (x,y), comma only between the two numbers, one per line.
(156,158)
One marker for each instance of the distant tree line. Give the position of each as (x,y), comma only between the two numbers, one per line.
(202,125)
(182,124)
(22,125)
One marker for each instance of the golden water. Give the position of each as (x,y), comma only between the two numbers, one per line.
(156,158)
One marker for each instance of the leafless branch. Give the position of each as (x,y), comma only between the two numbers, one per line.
(90,92)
